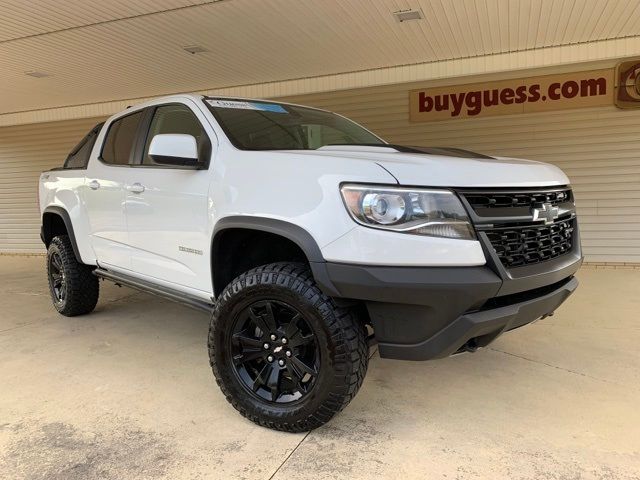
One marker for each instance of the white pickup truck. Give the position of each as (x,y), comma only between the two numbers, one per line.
(308,238)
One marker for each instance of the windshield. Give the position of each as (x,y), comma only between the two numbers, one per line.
(258,125)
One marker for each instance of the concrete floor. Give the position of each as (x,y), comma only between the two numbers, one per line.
(127,393)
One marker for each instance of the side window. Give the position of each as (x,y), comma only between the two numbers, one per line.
(121,139)
(176,119)
(79,156)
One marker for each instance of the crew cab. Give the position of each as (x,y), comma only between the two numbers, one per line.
(307,238)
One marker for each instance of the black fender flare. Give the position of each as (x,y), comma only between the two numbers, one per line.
(295,233)
(66,219)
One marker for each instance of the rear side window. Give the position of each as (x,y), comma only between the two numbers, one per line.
(79,156)
(121,139)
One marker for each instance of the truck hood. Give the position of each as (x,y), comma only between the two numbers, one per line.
(448,167)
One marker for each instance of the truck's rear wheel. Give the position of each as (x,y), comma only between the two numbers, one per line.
(73,287)
(283,353)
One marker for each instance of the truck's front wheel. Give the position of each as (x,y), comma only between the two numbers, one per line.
(73,287)
(283,353)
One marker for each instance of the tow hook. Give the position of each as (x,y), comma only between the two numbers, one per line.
(471,346)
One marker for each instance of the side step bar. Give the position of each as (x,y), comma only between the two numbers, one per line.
(148,287)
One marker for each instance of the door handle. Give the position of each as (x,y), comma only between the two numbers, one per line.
(136,188)
(94,185)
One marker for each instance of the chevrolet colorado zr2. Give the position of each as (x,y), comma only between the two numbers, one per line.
(307,238)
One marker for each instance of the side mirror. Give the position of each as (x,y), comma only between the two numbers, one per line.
(174,149)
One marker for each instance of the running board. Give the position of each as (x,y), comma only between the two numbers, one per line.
(148,287)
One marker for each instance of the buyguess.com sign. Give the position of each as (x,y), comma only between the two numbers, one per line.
(535,94)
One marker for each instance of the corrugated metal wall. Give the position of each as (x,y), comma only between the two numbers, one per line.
(338,45)
(25,151)
(599,149)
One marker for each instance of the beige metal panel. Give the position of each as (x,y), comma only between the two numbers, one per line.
(20,18)
(598,148)
(25,151)
(117,50)
(449,27)
(35,103)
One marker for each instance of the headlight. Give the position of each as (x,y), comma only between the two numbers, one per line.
(436,213)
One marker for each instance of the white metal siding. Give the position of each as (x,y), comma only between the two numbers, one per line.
(25,151)
(136,46)
(598,148)
(589,56)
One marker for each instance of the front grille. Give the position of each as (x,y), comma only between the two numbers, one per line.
(482,200)
(506,216)
(529,244)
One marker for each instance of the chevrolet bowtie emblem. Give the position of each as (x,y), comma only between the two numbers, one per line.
(546,212)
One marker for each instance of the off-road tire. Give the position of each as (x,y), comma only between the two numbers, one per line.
(341,337)
(82,286)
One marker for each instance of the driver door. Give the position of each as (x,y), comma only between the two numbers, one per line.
(167,207)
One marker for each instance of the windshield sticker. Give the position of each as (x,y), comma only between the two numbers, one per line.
(266,107)
(269,107)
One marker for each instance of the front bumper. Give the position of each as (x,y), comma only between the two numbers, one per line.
(422,313)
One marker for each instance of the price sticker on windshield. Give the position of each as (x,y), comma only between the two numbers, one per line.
(265,107)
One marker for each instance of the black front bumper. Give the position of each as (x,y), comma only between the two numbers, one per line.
(421,313)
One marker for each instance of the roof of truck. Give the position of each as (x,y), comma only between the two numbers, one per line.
(198,97)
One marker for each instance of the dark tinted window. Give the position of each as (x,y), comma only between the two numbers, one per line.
(258,125)
(121,139)
(176,119)
(79,156)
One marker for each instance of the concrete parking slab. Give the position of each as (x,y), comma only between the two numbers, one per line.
(126,392)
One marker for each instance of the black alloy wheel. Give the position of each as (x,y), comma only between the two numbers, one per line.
(73,286)
(57,278)
(275,353)
(284,354)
